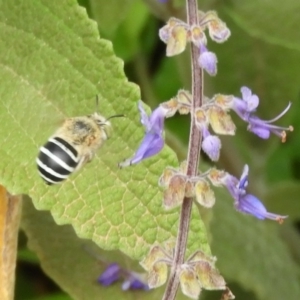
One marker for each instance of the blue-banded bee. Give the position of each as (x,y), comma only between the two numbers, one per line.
(72,146)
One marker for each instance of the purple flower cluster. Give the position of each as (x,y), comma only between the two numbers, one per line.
(176,34)
(245,109)
(247,203)
(214,112)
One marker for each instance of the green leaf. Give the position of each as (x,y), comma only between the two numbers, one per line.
(271,21)
(251,253)
(109,14)
(64,259)
(52,66)
(127,37)
(284,197)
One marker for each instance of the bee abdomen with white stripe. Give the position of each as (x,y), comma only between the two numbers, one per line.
(57,160)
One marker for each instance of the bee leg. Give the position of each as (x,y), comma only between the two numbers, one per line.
(84,160)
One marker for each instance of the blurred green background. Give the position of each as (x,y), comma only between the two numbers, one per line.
(262,53)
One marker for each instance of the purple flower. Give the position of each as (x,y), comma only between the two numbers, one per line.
(110,275)
(245,108)
(247,105)
(211,144)
(153,141)
(247,203)
(135,281)
(132,280)
(207,60)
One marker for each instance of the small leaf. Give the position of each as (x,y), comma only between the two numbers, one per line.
(158,275)
(209,276)
(204,194)
(221,121)
(175,193)
(177,41)
(155,254)
(190,286)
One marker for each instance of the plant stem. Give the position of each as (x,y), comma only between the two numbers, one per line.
(192,161)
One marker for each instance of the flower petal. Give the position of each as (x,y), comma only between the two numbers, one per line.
(153,141)
(135,281)
(221,121)
(176,43)
(158,275)
(175,192)
(249,204)
(150,146)
(260,131)
(144,117)
(110,275)
(157,119)
(204,194)
(209,277)
(246,93)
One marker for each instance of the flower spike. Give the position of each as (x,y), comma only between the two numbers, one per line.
(176,34)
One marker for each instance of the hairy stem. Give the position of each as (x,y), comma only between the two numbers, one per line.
(192,161)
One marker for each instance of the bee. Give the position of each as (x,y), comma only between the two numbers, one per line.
(73,145)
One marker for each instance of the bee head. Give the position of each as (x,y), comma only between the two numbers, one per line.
(104,124)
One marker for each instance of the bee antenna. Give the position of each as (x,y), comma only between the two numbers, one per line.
(115,116)
(97,103)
